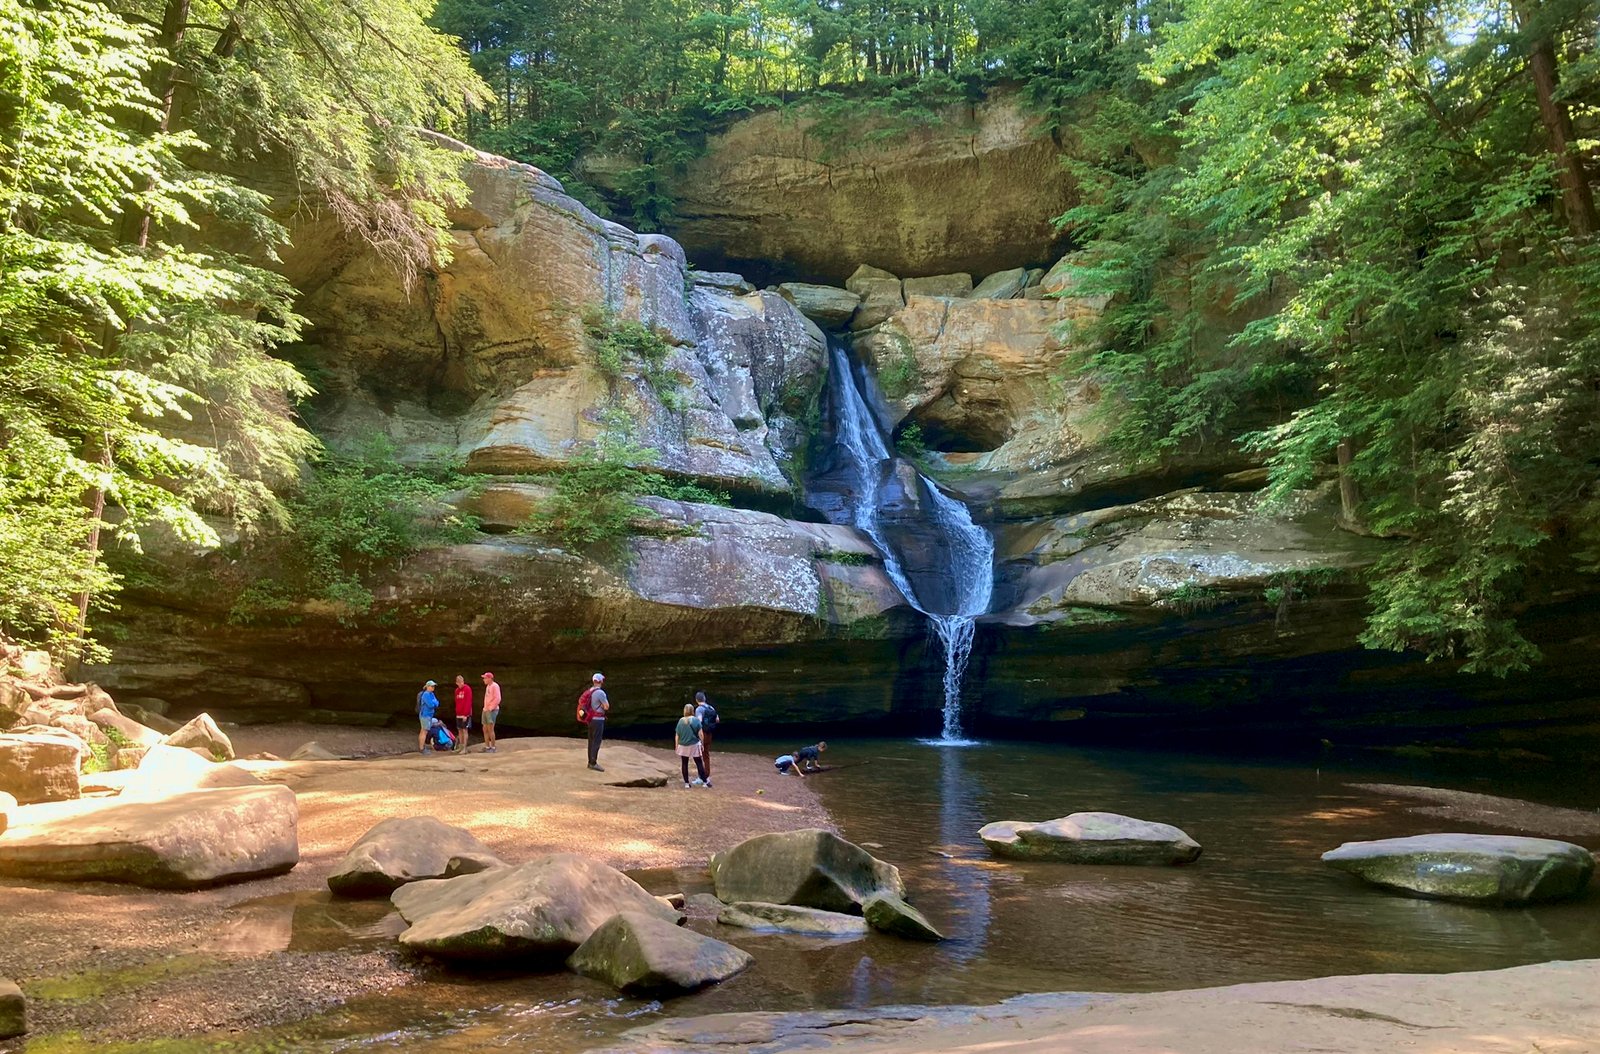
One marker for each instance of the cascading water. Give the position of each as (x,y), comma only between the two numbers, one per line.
(954,576)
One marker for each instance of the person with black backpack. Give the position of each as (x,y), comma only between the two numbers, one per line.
(706,714)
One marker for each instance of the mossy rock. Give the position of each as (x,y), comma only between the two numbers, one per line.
(1474,868)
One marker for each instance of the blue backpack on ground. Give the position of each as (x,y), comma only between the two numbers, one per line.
(439,737)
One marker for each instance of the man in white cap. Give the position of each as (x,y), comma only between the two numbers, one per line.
(596,706)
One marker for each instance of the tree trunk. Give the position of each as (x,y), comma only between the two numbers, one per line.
(1349,493)
(1577,198)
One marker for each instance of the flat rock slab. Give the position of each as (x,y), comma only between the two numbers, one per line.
(40,767)
(641,954)
(813,868)
(1091,838)
(791,918)
(192,839)
(890,914)
(1478,868)
(13,1010)
(408,849)
(165,770)
(542,910)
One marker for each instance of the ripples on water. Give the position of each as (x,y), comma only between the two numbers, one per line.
(1257,906)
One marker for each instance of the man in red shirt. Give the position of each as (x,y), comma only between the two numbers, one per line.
(491,710)
(463,712)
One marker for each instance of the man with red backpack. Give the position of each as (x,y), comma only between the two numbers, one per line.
(593,705)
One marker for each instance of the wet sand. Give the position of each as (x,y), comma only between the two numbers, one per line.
(113,962)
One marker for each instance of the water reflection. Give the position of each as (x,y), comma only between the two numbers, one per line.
(966,887)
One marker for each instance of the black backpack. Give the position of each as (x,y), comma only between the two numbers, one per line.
(708,717)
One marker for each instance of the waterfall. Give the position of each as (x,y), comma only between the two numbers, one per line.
(938,558)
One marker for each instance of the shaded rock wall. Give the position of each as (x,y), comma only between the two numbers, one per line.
(973,192)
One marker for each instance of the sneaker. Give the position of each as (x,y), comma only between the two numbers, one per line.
(597,768)
(695,783)
(685,786)
(491,750)
(708,783)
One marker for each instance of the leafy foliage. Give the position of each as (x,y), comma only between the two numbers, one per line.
(624,347)
(596,507)
(141,385)
(1358,185)
(353,517)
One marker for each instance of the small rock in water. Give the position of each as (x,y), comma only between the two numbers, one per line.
(639,953)
(1478,868)
(1091,838)
(791,918)
(813,868)
(890,914)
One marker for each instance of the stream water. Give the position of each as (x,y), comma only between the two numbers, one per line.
(1257,906)
(940,560)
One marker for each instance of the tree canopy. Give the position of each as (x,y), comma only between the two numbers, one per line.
(140,379)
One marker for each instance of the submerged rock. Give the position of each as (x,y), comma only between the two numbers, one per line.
(542,910)
(891,914)
(813,868)
(1091,838)
(791,918)
(406,849)
(13,1010)
(1480,868)
(40,766)
(642,953)
(187,840)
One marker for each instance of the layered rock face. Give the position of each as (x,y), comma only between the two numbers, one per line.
(973,191)
(493,359)
(1131,600)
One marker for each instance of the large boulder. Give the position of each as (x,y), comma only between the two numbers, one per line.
(1479,868)
(405,849)
(791,918)
(813,868)
(187,840)
(13,1010)
(39,766)
(542,910)
(890,914)
(646,954)
(1091,838)
(202,732)
(1002,285)
(949,286)
(880,296)
(165,770)
(828,306)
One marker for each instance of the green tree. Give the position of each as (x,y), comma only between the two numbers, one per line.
(140,391)
(1367,185)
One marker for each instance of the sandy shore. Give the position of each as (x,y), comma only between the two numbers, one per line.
(117,962)
(1550,1008)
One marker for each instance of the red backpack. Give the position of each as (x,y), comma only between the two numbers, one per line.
(583,705)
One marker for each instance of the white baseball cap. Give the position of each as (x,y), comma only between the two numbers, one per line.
(597,678)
